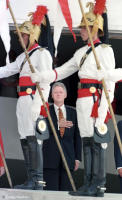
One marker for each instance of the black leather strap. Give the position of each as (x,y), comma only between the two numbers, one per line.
(88,85)
(24,88)
(29,54)
(87,53)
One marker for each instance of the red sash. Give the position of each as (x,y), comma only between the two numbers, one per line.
(85,92)
(25,81)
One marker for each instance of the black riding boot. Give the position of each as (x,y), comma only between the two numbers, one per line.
(102,173)
(29,183)
(40,184)
(36,165)
(97,187)
(87,167)
(87,164)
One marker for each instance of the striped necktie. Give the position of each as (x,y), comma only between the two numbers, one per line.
(62,129)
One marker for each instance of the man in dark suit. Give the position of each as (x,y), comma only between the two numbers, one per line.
(55,174)
(117,155)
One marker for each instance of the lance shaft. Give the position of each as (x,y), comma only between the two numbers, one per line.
(45,106)
(103,82)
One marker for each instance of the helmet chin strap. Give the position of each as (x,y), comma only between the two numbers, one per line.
(27,45)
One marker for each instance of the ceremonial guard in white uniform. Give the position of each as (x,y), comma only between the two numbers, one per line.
(91,105)
(29,105)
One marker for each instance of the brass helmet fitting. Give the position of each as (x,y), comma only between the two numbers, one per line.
(93,20)
(33,30)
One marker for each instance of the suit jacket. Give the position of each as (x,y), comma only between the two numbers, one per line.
(117,154)
(71,142)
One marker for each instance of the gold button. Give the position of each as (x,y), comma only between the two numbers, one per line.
(102,129)
(92,89)
(29,91)
(42,125)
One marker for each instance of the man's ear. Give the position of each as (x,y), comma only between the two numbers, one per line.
(65,96)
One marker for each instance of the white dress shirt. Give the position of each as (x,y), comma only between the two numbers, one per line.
(57,110)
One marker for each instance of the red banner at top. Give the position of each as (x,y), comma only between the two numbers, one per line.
(67,15)
(7,3)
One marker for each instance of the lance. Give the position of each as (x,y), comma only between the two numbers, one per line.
(103,81)
(6,168)
(44,103)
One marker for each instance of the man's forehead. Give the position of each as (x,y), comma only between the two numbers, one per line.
(58,88)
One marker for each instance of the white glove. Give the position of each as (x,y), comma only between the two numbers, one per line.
(35,111)
(47,76)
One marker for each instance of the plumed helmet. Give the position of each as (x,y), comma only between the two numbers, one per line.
(94,16)
(27,27)
(33,27)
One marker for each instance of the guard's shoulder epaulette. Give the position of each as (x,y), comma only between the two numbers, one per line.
(105,45)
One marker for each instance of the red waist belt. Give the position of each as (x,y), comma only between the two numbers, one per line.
(26,86)
(91,89)
(88,88)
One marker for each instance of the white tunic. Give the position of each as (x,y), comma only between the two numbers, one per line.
(88,70)
(40,60)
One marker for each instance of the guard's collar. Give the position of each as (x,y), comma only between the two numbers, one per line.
(33,47)
(94,42)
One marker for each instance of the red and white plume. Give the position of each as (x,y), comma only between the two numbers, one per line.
(39,14)
(4,27)
(99,6)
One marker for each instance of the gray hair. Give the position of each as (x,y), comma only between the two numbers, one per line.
(60,85)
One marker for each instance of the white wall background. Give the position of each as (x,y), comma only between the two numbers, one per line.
(21,8)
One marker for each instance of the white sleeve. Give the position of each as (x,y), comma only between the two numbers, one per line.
(67,69)
(113,75)
(9,70)
(48,75)
(44,65)
(44,61)
(103,108)
(108,63)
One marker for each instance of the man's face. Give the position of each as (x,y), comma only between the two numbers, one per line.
(84,33)
(58,95)
(25,38)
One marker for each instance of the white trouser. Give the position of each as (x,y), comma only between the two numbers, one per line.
(26,125)
(84,107)
(24,119)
